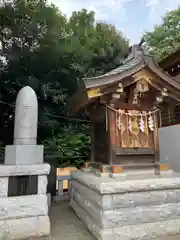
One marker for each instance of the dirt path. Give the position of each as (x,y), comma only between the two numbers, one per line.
(66,225)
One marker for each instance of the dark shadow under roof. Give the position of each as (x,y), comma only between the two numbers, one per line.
(169,60)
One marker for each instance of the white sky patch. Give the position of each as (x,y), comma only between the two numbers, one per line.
(158,9)
(116,12)
(103,9)
(110,11)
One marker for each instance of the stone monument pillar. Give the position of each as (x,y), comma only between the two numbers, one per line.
(26,117)
(23,177)
(25,131)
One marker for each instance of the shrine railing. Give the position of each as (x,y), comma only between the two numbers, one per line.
(63,194)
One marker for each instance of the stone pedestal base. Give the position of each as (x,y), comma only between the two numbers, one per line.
(124,209)
(24,216)
(26,226)
(24,154)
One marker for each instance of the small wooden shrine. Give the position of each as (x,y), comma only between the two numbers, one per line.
(171,65)
(125,110)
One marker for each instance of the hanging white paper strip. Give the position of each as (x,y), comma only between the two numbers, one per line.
(141,124)
(130,125)
(119,121)
(151,123)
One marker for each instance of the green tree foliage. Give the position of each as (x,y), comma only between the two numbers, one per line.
(165,38)
(70,147)
(45,50)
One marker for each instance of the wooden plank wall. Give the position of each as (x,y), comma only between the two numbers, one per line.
(123,137)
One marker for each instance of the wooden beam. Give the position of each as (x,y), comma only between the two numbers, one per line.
(156,145)
(116,169)
(158,83)
(94,93)
(97,111)
(105,99)
(164,167)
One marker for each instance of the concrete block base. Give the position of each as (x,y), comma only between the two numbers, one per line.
(23,217)
(24,228)
(145,207)
(26,216)
(24,154)
(135,232)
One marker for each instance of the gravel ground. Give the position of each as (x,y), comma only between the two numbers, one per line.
(67,226)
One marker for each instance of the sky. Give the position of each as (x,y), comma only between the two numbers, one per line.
(132,17)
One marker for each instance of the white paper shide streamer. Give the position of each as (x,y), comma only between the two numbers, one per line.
(119,119)
(141,124)
(150,122)
(139,116)
(130,125)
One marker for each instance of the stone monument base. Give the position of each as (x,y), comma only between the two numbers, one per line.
(125,208)
(24,154)
(24,216)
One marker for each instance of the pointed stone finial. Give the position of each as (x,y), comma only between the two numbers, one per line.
(26,117)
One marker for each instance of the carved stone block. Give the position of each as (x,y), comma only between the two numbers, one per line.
(24,154)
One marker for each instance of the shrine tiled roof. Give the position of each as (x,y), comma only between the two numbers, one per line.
(134,59)
(138,59)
